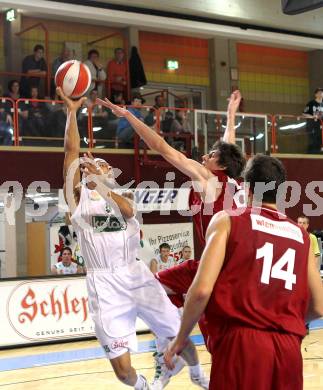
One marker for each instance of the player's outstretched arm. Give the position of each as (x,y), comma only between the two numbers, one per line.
(233,106)
(316,289)
(71,144)
(189,167)
(201,289)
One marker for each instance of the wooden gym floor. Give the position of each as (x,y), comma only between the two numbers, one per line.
(76,373)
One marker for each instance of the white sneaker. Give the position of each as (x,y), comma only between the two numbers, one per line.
(202,381)
(162,373)
(146,385)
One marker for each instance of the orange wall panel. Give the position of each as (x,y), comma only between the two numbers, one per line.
(192,54)
(60,32)
(270,74)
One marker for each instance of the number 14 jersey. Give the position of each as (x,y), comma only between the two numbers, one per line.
(263,283)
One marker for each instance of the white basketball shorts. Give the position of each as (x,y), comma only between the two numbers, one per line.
(117,298)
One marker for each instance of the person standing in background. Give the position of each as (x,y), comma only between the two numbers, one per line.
(117,72)
(66,55)
(33,64)
(97,72)
(304,222)
(313,111)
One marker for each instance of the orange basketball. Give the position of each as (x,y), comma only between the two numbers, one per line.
(74,78)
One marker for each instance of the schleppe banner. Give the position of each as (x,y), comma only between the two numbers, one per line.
(42,310)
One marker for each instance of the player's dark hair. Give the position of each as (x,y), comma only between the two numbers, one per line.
(92,51)
(230,158)
(265,169)
(66,248)
(164,245)
(117,49)
(38,47)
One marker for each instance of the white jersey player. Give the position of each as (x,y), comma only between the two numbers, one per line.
(120,288)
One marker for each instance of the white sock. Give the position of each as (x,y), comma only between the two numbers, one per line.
(195,371)
(141,383)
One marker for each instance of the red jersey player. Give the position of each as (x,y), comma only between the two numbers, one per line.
(253,283)
(214,182)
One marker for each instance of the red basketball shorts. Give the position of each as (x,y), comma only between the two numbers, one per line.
(179,280)
(180,277)
(251,359)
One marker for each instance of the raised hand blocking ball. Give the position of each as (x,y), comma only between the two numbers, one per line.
(74,78)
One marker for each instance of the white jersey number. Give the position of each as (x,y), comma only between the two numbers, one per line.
(276,271)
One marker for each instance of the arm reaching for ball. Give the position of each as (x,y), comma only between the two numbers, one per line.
(71,148)
(189,167)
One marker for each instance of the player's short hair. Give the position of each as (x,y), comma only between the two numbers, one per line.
(118,49)
(265,169)
(304,217)
(38,47)
(92,51)
(230,158)
(67,248)
(164,245)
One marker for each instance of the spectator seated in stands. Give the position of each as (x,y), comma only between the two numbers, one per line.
(14,94)
(56,121)
(163,260)
(33,64)
(117,98)
(97,110)
(6,123)
(186,254)
(13,90)
(167,123)
(36,114)
(180,125)
(150,119)
(67,266)
(117,72)
(100,117)
(97,72)
(125,132)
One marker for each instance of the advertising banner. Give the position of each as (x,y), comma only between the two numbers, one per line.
(177,235)
(149,199)
(41,310)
